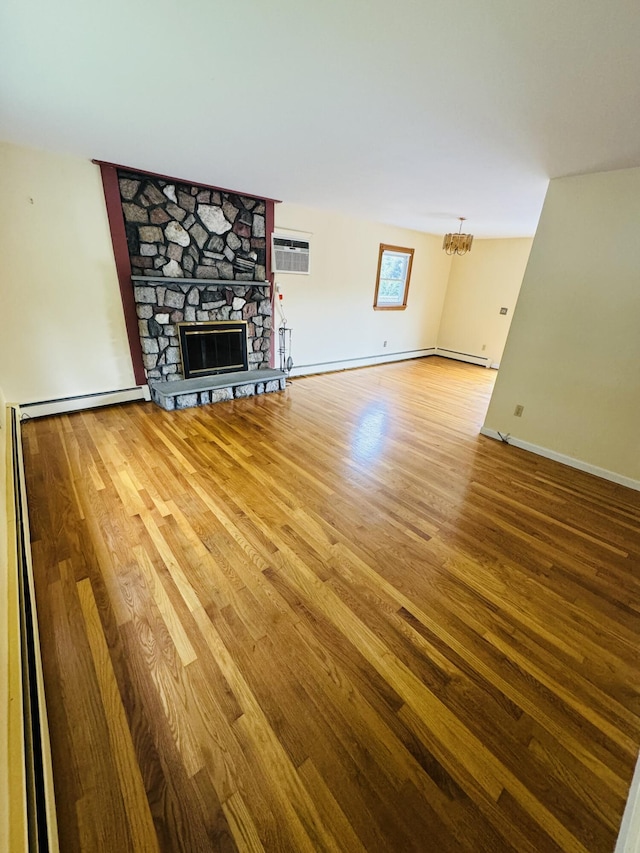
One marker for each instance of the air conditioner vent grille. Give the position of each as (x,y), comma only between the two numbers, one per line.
(291,255)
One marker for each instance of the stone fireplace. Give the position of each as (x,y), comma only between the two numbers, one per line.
(162,305)
(197,255)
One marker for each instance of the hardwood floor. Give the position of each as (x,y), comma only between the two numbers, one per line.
(332,619)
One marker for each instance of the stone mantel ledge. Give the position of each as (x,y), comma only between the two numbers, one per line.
(202,282)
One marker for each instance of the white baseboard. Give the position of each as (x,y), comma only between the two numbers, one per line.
(629,835)
(481,360)
(566,460)
(365,361)
(42,408)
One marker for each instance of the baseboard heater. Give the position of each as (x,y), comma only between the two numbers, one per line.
(481,360)
(36,801)
(60,405)
(360,361)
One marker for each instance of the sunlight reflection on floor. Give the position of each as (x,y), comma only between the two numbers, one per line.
(370,433)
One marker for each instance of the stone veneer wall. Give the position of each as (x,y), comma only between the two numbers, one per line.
(179,231)
(161,306)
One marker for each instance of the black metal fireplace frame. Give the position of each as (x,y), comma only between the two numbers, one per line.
(208,328)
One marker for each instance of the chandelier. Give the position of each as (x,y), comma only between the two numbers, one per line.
(457,244)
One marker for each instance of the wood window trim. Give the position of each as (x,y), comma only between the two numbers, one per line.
(385,247)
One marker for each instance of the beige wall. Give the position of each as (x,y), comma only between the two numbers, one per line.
(63,331)
(3,508)
(331,310)
(58,269)
(12,782)
(572,358)
(481,283)
(4,639)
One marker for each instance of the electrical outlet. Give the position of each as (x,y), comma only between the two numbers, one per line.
(384,343)
(518,411)
(503,310)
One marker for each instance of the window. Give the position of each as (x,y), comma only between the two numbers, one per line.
(392,283)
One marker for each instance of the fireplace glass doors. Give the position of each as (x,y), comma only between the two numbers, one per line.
(209,348)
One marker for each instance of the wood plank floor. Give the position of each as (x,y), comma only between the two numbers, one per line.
(332,619)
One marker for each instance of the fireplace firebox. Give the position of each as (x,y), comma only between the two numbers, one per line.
(212,348)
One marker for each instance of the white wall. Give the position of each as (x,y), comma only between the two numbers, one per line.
(572,358)
(63,331)
(480,283)
(331,310)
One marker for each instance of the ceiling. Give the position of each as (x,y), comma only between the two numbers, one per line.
(412,113)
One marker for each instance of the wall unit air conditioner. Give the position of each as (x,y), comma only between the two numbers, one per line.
(290,253)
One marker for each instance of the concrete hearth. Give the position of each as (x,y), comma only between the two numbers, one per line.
(201,391)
